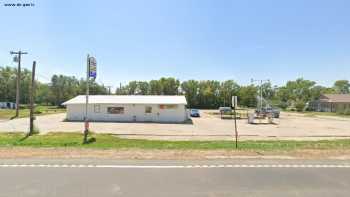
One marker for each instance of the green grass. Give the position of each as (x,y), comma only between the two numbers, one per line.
(313,114)
(39,110)
(106,141)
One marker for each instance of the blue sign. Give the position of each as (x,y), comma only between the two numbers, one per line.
(92,67)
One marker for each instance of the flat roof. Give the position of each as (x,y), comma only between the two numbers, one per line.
(127,99)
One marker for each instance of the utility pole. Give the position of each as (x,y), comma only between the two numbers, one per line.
(32,96)
(261,89)
(17,58)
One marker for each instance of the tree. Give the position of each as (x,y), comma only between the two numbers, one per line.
(143,88)
(42,93)
(297,92)
(190,88)
(247,96)
(342,87)
(169,86)
(228,89)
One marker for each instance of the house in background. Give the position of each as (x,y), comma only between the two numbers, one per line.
(7,105)
(331,103)
(128,108)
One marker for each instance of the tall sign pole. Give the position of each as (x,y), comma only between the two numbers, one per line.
(90,73)
(234,104)
(86,121)
(17,58)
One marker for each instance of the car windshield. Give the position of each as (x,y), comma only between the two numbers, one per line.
(195,110)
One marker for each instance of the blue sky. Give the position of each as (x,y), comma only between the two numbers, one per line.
(186,39)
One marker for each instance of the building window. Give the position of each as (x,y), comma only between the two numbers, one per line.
(167,106)
(148,109)
(97,108)
(115,110)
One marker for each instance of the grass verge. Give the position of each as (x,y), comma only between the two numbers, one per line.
(314,114)
(39,110)
(106,141)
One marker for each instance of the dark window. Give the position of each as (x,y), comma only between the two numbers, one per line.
(148,109)
(115,110)
(167,106)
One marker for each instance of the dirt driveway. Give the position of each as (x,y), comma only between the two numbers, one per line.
(290,126)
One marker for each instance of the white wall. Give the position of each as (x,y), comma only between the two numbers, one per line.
(76,112)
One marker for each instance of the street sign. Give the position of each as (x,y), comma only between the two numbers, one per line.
(234,101)
(92,67)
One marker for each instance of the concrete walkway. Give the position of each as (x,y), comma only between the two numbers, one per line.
(290,126)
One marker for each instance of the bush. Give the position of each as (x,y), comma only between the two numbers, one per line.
(282,105)
(346,111)
(37,111)
(300,105)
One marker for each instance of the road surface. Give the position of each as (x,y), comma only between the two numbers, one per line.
(173,178)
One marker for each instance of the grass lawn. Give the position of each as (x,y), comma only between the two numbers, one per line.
(312,114)
(39,110)
(106,141)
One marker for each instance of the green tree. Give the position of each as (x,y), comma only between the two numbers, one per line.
(169,86)
(190,88)
(143,88)
(155,87)
(228,89)
(342,87)
(247,96)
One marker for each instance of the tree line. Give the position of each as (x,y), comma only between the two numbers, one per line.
(213,94)
(199,93)
(60,89)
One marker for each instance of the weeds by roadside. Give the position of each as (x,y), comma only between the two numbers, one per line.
(107,141)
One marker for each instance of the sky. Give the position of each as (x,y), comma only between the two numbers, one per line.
(185,39)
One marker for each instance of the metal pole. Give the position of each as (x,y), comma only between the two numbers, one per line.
(261,82)
(32,93)
(235,117)
(86,130)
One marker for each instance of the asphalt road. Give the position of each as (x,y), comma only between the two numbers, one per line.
(167,178)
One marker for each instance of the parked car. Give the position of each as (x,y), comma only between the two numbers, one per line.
(225,110)
(194,113)
(268,110)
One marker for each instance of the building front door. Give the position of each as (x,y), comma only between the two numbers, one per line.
(148,114)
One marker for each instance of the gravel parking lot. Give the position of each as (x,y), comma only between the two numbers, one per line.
(289,126)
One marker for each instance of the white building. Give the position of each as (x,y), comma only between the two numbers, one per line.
(7,105)
(128,108)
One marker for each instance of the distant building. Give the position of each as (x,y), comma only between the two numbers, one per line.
(128,108)
(7,105)
(331,103)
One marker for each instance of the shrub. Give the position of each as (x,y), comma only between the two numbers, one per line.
(346,111)
(300,105)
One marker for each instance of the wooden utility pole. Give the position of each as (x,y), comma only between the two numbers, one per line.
(18,59)
(32,96)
